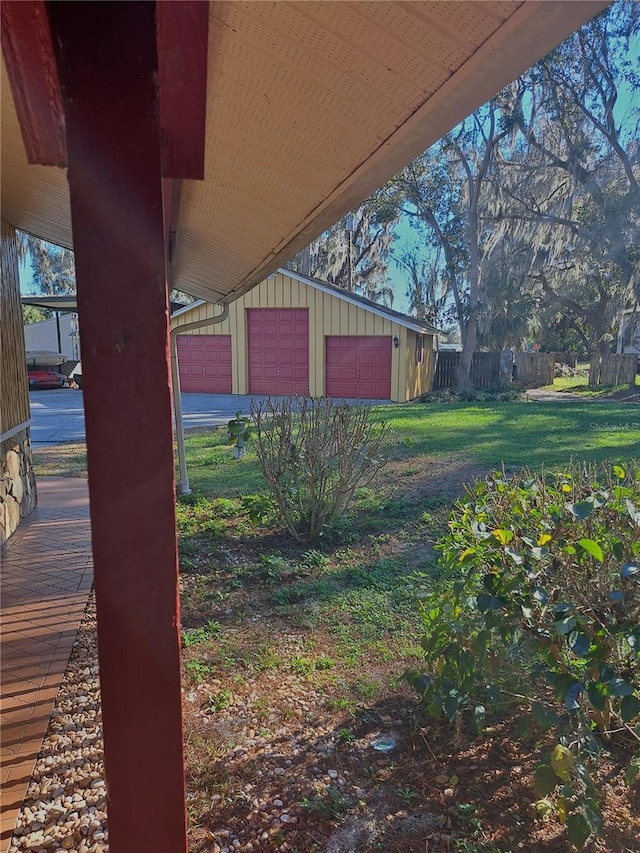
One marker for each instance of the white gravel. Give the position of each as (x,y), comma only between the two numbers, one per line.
(66,806)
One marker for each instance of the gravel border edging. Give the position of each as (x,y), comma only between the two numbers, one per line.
(66,802)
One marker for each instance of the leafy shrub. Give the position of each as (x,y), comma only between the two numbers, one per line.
(485,394)
(540,604)
(314,455)
(239,429)
(261,508)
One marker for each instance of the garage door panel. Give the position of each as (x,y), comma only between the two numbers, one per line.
(358,366)
(278,348)
(204,363)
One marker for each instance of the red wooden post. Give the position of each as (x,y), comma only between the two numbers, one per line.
(108,65)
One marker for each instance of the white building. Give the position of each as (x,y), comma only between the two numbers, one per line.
(55,335)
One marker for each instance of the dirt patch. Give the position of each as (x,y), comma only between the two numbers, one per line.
(546,395)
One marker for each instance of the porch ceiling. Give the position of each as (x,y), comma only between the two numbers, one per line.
(310,107)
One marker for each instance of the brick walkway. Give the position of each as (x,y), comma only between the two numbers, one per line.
(46,578)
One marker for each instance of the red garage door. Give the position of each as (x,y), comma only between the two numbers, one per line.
(359,367)
(278,350)
(204,362)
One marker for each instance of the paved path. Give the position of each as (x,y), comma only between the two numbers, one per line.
(57,416)
(47,573)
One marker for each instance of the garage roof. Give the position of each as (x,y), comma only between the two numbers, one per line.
(416,325)
(309,108)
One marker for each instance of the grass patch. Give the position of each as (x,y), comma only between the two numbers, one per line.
(513,433)
(516,434)
(579,384)
(60,460)
(210,460)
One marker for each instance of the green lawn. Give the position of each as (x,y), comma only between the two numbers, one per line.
(515,433)
(579,384)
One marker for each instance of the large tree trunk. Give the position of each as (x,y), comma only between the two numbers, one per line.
(463,370)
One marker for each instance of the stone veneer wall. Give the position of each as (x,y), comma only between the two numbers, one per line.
(18,485)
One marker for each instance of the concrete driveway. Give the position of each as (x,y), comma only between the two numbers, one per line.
(57,416)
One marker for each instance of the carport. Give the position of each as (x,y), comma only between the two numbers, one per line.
(200,145)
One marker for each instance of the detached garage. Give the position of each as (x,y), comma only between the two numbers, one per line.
(293,334)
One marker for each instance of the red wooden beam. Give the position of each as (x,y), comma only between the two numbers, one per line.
(31,66)
(183,28)
(107,56)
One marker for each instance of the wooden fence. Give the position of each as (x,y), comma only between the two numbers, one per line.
(485,369)
(612,369)
(534,368)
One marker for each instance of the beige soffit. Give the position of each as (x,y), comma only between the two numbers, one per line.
(310,107)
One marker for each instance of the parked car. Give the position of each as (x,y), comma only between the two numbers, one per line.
(42,379)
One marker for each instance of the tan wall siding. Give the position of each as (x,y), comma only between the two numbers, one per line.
(328,315)
(14,399)
(419,376)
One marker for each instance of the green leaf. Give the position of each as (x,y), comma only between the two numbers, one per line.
(629,570)
(617,549)
(579,644)
(451,705)
(490,581)
(493,691)
(541,595)
(544,780)
(591,811)
(420,683)
(562,762)
(629,708)
(632,771)
(571,699)
(577,830)
(483,601)
(620,687)
(490,602)
(565,626)
(633,512)
(593,548)
(619,472)
(562,809)
(597,693)
(543,807)
(503,536)
(581,510)
(544,717)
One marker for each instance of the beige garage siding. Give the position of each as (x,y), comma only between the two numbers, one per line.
(328,315)
(419,376)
